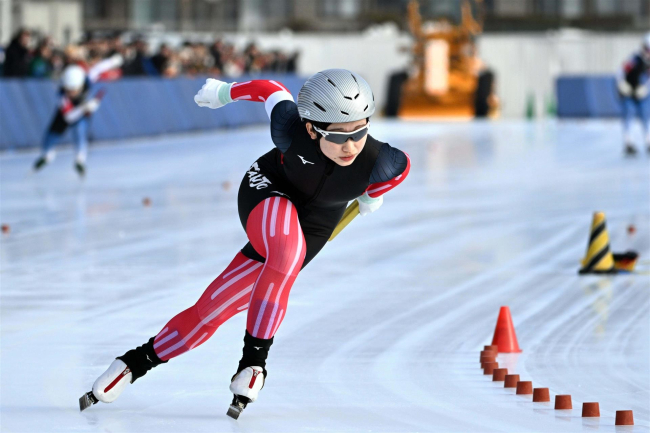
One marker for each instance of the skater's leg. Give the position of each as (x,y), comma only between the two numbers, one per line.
(276,236)
(47,149)
(644,114)
(228,295)
(80,135)
(274,231)
(628,106)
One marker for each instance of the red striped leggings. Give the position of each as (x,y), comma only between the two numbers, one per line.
(263,288)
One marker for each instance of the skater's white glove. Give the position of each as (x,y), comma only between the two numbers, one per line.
(91,105)
(213,94)
(368,204)
(624,88)
(641,92)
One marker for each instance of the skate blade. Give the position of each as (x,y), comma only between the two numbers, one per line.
(86,400)
(234,411)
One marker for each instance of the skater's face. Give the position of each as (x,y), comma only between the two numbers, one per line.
(342,154)
(73,93)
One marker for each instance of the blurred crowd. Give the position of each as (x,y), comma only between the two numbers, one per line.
(29,55)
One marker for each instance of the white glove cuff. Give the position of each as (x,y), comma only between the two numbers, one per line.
(366,199)
(223,93)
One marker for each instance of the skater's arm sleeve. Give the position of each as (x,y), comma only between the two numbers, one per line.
(281,109)
(391,168)
(284,121)
(105,65)
(71,114)
(268,91)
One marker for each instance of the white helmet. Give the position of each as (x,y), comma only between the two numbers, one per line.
(335,96)
(73,77)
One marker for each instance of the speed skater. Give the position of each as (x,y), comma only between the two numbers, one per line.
(75,106)
(290,201)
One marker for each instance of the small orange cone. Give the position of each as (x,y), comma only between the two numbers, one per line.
(504,333)
(624,417)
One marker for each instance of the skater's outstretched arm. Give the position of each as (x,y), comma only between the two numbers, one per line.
(105,65)
(72,114)
(278,102)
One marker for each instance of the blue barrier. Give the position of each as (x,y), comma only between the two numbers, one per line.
(132,107)
(587,96)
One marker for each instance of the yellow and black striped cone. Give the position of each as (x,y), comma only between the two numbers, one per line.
(599,259)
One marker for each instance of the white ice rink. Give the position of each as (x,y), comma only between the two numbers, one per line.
(384,327)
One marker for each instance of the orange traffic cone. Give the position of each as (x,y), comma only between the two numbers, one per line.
(504,333)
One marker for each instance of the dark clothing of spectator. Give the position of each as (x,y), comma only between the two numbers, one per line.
(16,59)
(292,64)
(140,65)
(218,62)
(40,67)
(160,62)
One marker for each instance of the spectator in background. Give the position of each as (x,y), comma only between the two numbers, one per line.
(235,65)
(216,50)
(2,61)
(633,83)
(250,54)
(162,60)
(57,61)
(41,64)
(115,45)
(292,63)
(17,56)
(194,58)
(140,64)
(74,55)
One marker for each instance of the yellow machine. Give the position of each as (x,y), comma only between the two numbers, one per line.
(446,65)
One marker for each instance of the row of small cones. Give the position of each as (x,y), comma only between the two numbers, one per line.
(505,341)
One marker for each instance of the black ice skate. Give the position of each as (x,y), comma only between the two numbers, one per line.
(630,149)
(237,406)
(40,163)
(87,400)
(80,168)
(125,370)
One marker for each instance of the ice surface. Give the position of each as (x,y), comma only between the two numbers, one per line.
(384,327)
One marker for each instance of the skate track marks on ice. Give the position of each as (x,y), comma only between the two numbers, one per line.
(384,327)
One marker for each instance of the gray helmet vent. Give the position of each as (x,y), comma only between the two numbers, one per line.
(339,95)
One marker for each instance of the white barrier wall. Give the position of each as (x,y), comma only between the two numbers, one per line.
(529,63)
